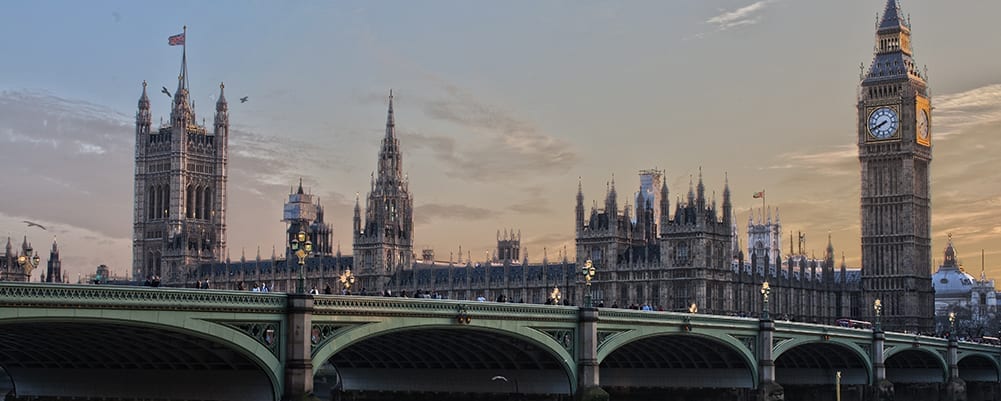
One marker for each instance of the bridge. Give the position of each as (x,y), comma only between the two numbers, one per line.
(116,342)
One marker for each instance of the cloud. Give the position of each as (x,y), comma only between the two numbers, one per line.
(512,149)
(534,204)
(954,112)
(747,15)
(428,212)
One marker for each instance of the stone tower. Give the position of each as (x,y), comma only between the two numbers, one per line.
(383,243)
(764,238)
(54,271)
(303,212)
(894,141)
(180,187)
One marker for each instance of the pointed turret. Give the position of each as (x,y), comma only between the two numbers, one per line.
(182,114)
(727,206)
(221,110)
(611,200)
(579,211)
(691,192)
(357,217)
(10,247)
(300,191)
(701,195)
(665,205)
(221,104)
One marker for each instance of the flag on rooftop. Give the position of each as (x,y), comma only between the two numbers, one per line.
(759,194)
(176,40)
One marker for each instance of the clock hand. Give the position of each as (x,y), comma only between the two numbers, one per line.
(880,124)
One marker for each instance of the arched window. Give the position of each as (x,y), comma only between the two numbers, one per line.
(166,201)
(150,202)
(198,203)
(189,206)
(207,209)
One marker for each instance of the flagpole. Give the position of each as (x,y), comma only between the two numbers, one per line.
(184,52)
(762,200)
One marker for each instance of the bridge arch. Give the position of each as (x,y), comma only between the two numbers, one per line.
(405,354)
(809,362)
(915,365)
(980,367)
(651,358)
(72,352)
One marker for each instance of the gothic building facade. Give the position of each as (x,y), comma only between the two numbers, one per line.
(180,186)
(894,144)
(383,241)
(693,263)
(676,257)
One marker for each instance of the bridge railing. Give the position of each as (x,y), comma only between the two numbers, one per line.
(417,307)
(122,297)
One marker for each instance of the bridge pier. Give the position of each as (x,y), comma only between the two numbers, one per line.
(588,386)
(881,389)
(766,362)
(955,388)
(298,348)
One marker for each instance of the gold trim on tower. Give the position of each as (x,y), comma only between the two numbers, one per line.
(922,116)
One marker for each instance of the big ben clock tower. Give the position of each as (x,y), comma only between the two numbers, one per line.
(894,142)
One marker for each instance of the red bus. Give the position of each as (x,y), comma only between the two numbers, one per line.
(855,324)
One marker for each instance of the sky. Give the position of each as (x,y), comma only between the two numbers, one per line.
(500,108)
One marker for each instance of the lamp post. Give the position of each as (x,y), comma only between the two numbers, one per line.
(347,279)
(837,385)
(877,306)
(29,261)
(555,296)
(302,247)
(588,271)
(765,290)
(952,325)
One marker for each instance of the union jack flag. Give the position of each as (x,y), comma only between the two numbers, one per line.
(759,194)
(176,40)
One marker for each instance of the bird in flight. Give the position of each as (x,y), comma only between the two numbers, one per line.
(33,224)
(244,99)
(165,91)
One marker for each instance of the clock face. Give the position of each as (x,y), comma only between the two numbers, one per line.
(923,125)
(883,123)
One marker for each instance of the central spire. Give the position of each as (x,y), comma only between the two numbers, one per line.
(390,119)
(390,158)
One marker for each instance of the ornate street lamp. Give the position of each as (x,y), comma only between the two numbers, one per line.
(952,325)
(877,306)
(555,296)
(347,279)
(588,271)
(765,290)
(29,261)
(302,247)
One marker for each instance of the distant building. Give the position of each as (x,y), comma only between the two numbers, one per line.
(10,269)
(54,271)
(972,300)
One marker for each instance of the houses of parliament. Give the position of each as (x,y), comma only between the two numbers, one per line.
(692,253)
